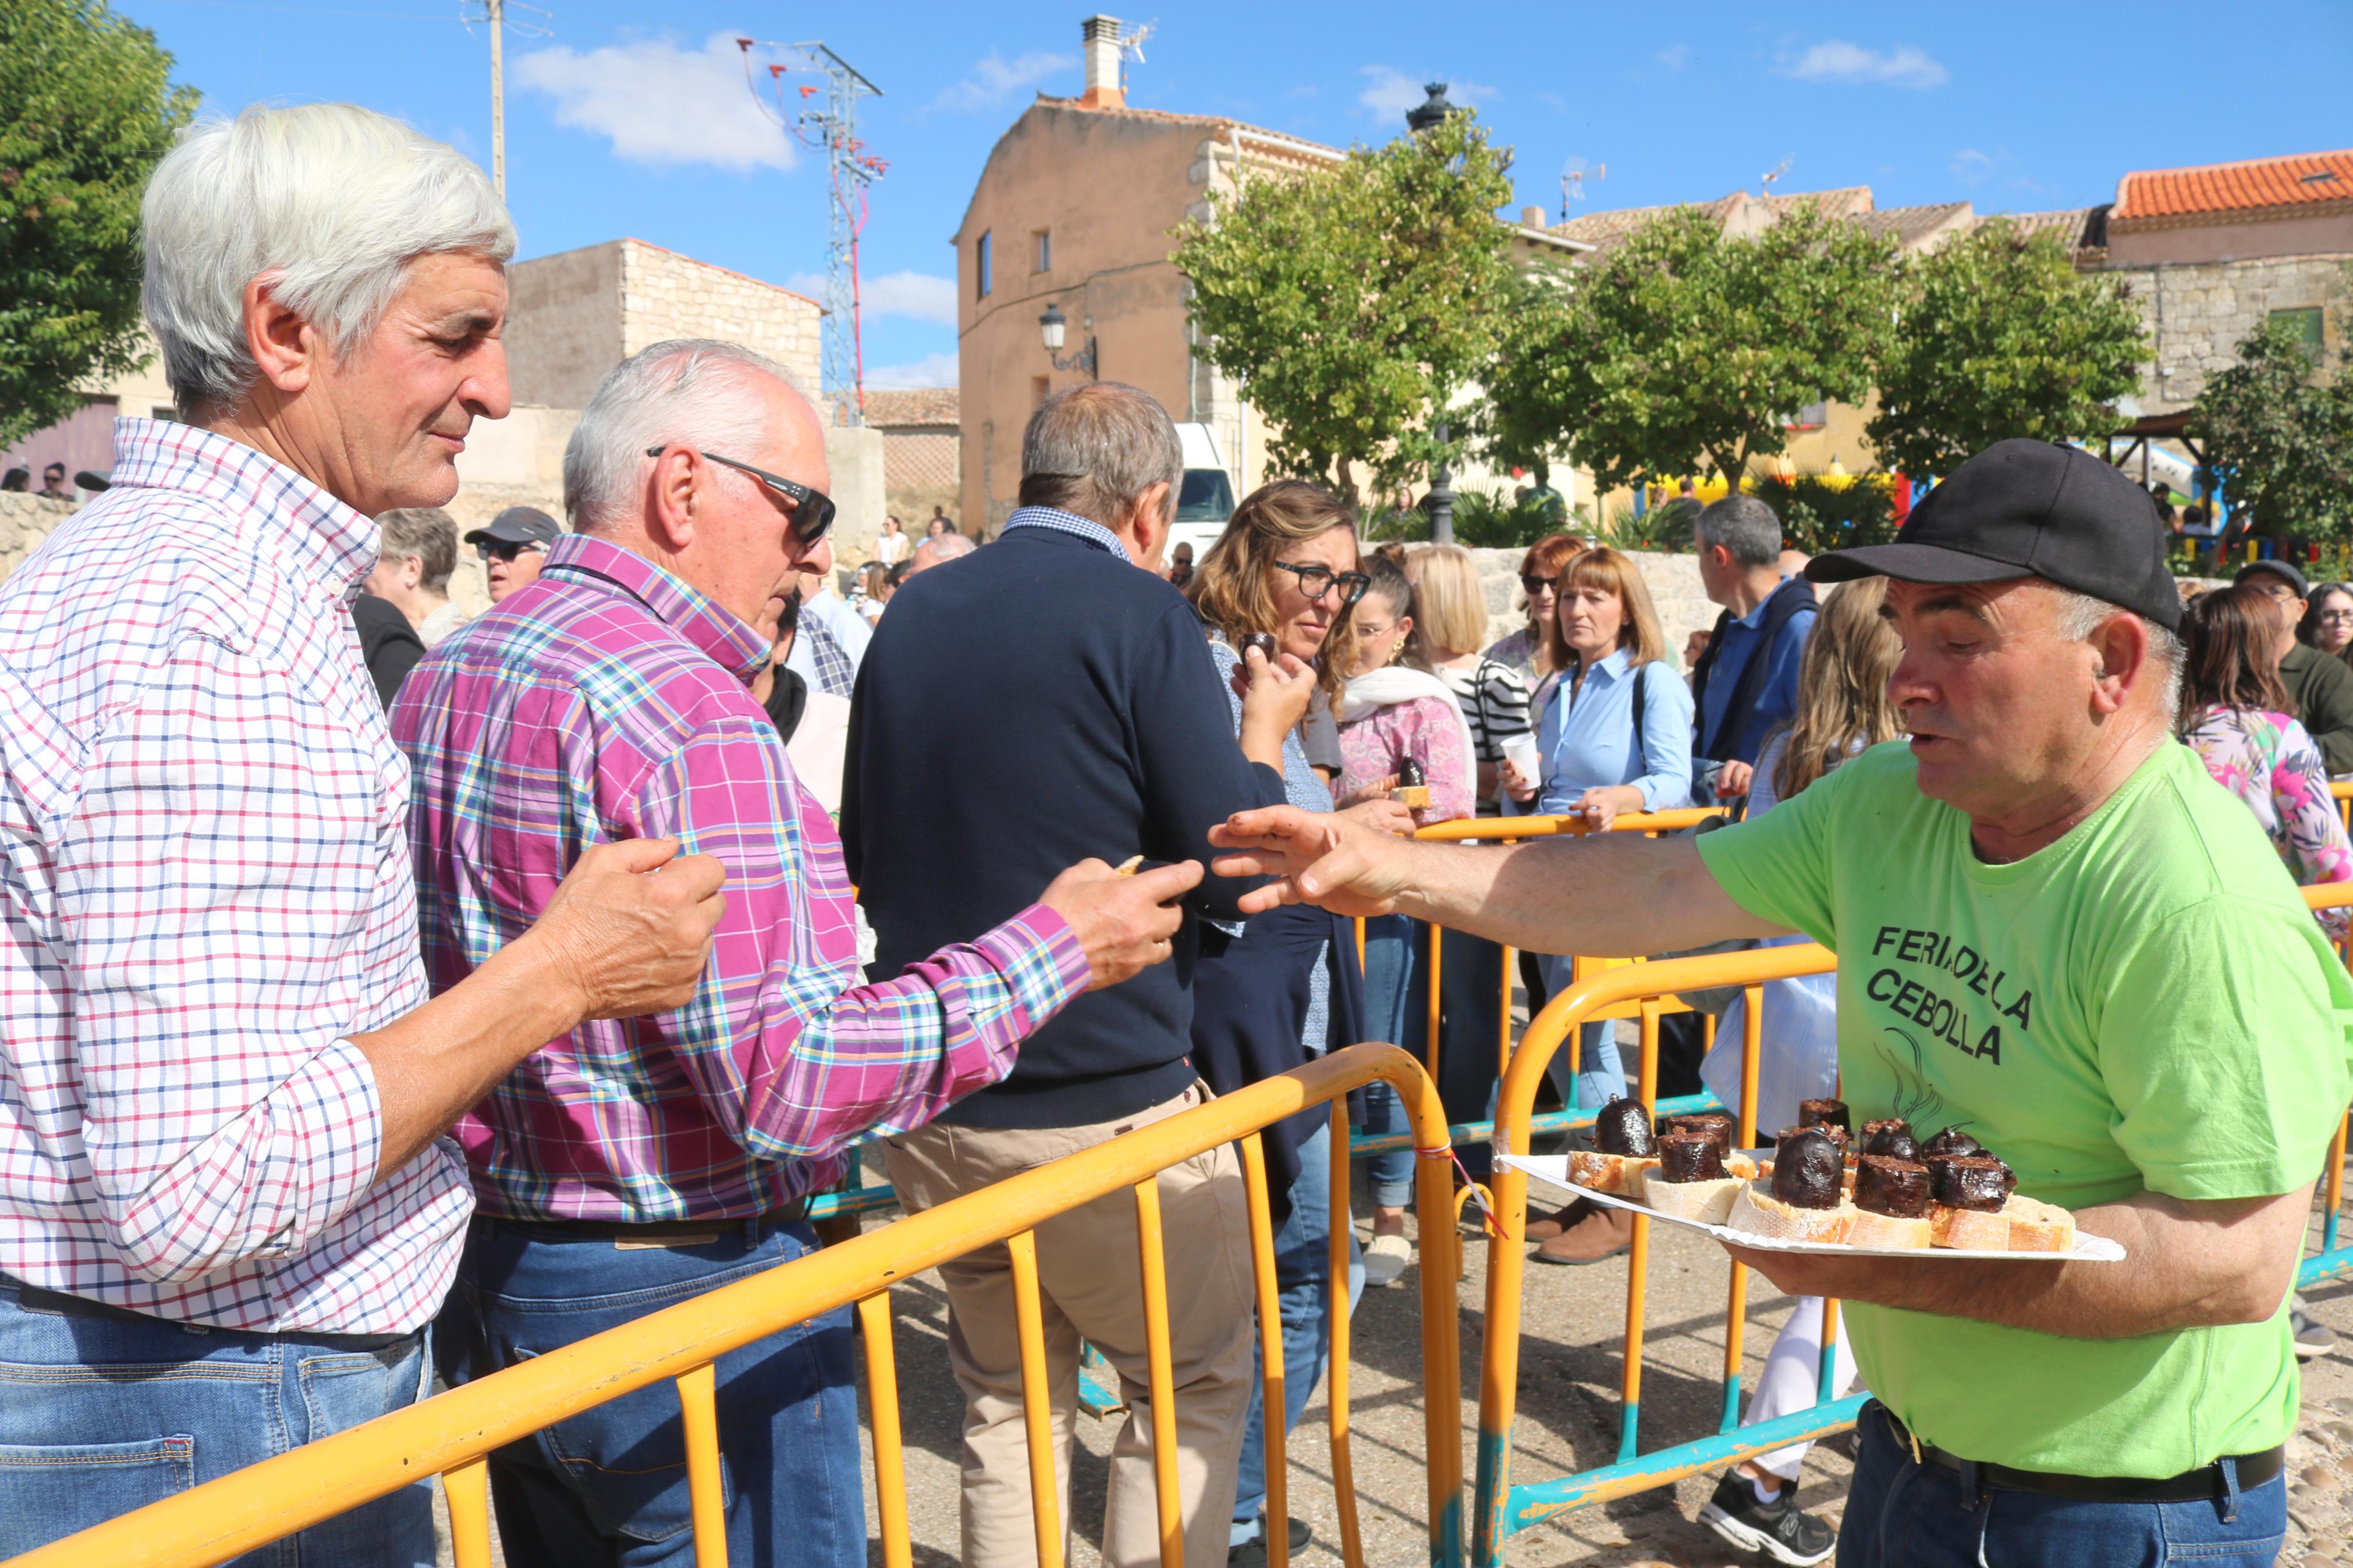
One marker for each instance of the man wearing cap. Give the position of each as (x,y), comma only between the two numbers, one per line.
(2054,933)
(2321,684)
(513,547)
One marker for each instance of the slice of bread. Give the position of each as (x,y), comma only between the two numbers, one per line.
(2039,1226)
(1759,1212)
(1706,1201)
(1602,1172)
(1888,1231)
(1970,1230)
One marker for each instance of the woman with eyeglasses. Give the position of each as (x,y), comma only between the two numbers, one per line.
(1283,988)
(1524,650)
(2327,623)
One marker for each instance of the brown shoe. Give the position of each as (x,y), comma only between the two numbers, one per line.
(1560,1219)
(1604,1233)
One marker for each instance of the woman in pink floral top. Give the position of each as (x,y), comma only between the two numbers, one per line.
(2234,713)
(1394,709)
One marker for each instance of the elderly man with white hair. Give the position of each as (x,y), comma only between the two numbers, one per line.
(634,1163)
(227,1211)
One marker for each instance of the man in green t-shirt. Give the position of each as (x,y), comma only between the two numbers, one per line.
(2055,933)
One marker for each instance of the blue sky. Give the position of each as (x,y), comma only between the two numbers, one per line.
(635,119)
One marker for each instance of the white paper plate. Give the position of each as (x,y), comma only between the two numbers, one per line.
(1553,1171)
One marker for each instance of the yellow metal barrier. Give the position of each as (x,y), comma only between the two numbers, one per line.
(451,1433)
(1502,1509)
(2342,793)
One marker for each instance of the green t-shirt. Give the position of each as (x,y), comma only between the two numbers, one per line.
(2145,1004)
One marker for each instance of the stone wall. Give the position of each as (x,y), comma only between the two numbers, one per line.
(563,324)
(2197,314)
(24,521)
(666,295)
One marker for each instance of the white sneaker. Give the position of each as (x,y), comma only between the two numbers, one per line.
(1385,1258)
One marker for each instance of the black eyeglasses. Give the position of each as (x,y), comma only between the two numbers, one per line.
(812,510)
(1532,586)
(504,549)
(1317,581)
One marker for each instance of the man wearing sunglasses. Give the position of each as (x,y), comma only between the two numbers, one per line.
(513,547)
(624,1167)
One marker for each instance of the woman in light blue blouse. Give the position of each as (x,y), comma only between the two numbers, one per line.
(1613,735)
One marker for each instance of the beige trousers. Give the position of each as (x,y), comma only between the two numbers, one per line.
(1091,1285)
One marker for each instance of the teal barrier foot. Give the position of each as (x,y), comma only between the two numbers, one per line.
(1099,1392)
(1731,1404)
(1628,1423)
(1539,1500)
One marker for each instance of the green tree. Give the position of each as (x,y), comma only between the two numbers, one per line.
(1355,302)
(1998,336)
(1685,345)
(2280,438)
(86,111)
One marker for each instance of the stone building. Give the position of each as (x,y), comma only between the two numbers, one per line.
(923,444)
(2211,254)
(1074,209)
(577,314)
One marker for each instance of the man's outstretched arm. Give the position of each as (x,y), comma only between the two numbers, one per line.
(1606,895)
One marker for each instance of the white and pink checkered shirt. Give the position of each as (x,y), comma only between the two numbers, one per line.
(205,890)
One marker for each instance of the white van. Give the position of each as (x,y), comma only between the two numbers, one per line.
(1205,497)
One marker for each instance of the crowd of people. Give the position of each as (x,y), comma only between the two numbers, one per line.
(392,994)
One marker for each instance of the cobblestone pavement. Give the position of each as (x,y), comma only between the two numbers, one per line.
(1573,1319)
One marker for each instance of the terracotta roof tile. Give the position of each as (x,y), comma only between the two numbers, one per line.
(1214,123)
(918,405)
(2254,184)
(1909,226)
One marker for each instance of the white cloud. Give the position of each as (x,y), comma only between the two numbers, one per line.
(994,79)
(918,296)
(1390,92)
(1676,57)
(660,103)
(1834,59)
(932,370)
(1970,167)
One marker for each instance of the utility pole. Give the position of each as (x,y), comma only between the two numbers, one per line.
(830,126)
(497,9)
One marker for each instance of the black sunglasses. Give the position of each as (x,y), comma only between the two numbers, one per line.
(504,549)
(812,510)
(1532,586)
(1317,581)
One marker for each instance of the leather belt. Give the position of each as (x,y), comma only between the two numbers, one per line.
(2203,1483)
(56,1303)
(655,1232)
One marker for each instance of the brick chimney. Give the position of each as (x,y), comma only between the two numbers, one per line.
(1532,217)
(1101,36)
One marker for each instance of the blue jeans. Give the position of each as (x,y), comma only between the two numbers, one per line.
(1599,1074)
(1903,1515)
(1301,1273)
(151,1408)
(1389,980)
(610,1485)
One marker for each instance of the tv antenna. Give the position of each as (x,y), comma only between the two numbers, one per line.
(1131,47)
(1572,181)
(494,13)
(827,119)
(1775,172)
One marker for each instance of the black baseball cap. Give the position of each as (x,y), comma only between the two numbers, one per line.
(517,525)
(2280,569)
(2029,509)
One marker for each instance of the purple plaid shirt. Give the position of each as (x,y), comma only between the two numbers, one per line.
(609,701)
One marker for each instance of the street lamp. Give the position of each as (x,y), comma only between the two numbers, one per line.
(1051,327)
(1429,115)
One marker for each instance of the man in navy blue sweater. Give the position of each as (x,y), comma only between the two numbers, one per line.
(1048,698)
